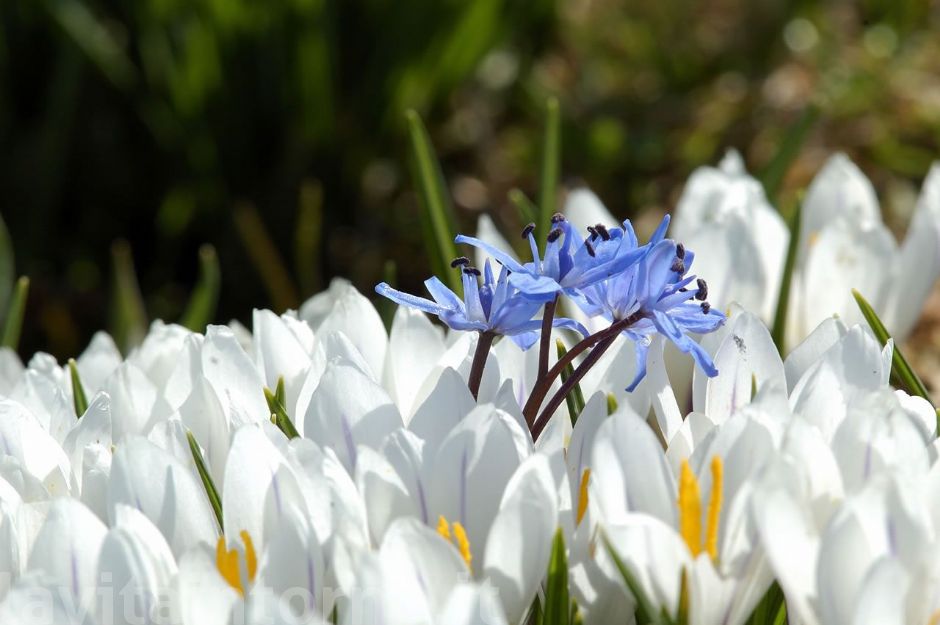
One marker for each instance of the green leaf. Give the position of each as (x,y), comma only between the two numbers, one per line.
(205,296)
(557,603)
(309,237)
(574,399)
(128,316)
(550,169)
(6,266)
(779,331)
(439,215)
(265,256)
(79,399)
(645,610)
(902,375)
(13,325)
(528,212)
(769,608)
(276,403)
(214,500)
(793,140)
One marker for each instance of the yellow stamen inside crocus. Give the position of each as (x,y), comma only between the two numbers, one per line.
(934,618)
(226,560)
(456,534)
(583,495)
(690,509)
(714,509)
(443,528)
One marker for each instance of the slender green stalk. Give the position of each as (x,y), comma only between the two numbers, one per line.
(211,491)
(902,373)
(779,330)
(204,299)
(557,602)
(276,404)
(550,168)
(435,199)
(574,399)
(79,399)
(13,325)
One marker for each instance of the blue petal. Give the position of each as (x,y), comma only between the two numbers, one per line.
(525,340)
(670,330)
(660,233)
(443,295)
(642,348)
(541,288)
(570,324)
(495,252)
(406,299)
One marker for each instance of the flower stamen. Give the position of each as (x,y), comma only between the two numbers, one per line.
(690,509)
(583,495)
(230,565)
(455,534)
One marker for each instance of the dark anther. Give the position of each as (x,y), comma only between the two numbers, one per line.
(683,290)
(602,230)
(590,248)
(553,235)
(557,218)
(460,261)
(527,230)
(706,307)
(680,250)
(471,271)
(593,232)
(702,293)
(678,266)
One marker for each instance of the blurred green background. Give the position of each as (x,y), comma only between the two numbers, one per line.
(275,131)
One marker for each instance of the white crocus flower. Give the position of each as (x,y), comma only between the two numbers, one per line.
(845,245)
(723,211)
(707,536)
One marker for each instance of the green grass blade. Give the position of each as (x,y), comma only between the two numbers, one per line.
(768,610)
(13,325)
(901,372)
(309,237)
(779,330)
(275,401)
(528,211)
(79,399)
(200,311)
(574,399)
(645,610)
(550,169)
(214,500)
(265,256)
(557,603)
(793,140)
(435,199)
(6,266)
(128,316)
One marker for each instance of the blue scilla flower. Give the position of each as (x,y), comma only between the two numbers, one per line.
(493,305)
(570,263)
(655,296)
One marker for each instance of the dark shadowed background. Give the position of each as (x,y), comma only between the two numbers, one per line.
(275,131)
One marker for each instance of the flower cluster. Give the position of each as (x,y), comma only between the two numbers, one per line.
(318,468)
(640,291)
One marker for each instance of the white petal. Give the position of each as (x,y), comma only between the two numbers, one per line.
(414,347)
(520,541)
(381,486)
(234,378)
(149,479)
(355,316)
(471,469)
(471,604)
(630,470)
(67,548)
(812,348)
(349,409)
